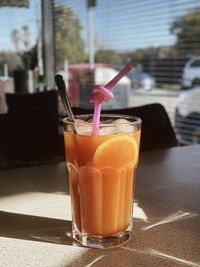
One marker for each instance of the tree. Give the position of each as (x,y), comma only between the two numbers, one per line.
(69,44)
(27,37)
(16,39)
(138,56)
(109,56)
(27,55)
(186,28)
(13,60)
(30,58)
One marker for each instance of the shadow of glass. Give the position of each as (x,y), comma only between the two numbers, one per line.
(35,228)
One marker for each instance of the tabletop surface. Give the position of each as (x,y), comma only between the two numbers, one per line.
(35,216)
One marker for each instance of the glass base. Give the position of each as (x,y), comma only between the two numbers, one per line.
(101,242)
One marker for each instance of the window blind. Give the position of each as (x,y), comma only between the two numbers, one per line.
(159,37)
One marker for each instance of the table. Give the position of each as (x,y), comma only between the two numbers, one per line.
(35,216)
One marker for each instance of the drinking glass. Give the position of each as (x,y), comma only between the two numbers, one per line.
(102,170)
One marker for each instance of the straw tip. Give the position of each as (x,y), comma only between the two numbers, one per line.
(130,65)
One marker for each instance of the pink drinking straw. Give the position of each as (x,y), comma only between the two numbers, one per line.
(102,93)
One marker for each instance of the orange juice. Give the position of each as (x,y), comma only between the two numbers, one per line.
(101,173)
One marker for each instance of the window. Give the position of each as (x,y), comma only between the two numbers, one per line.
(196,63)
(159,37)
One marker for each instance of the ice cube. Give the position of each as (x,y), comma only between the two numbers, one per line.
(80,122)
(83,127)
(107,130)
(123,126)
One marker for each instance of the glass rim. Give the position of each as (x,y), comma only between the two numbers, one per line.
(133,119)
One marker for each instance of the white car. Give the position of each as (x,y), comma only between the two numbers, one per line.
(191,72)
(187,117)
(141,79)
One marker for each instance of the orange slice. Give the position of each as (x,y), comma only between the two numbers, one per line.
(116,152)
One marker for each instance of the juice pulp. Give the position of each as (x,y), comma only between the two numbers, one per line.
(101,188)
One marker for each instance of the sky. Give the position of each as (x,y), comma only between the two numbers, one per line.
(122,25)
(15,18)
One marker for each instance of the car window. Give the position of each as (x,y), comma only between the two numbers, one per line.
(134,74)
(196,63)
(146,75)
